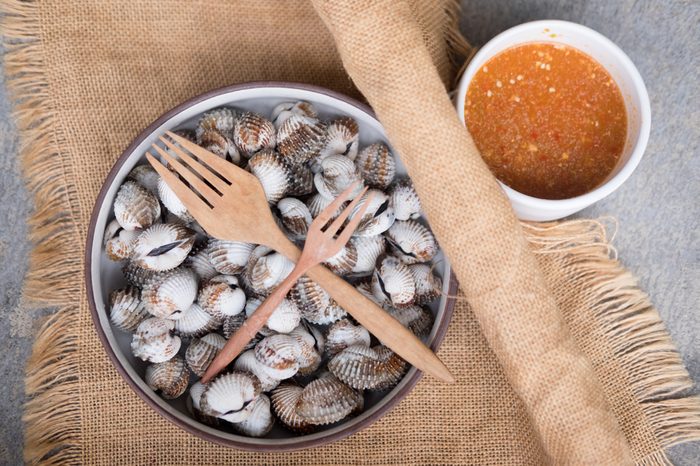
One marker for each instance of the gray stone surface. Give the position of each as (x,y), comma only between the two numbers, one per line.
(657,208)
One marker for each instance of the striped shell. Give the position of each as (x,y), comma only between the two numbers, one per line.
(344,261)
(228,396)
(300,138)
(198,260)
(295,216)
(222,296)
(378,217)
(136,276)
(315,303)
(404,200)
(311,344)
(169,377)
(285,399)
(317,203)
(342,334)
(369,249)
(412,242)
(342,138)
(376,166)
(246,362)
(327,400)
(337,173)
(417,319)
(229,257)
(153,340)
(220,119)
(365,368)
(259,421)
(268,271)
(169,294)
(301,180)
(195,322)
(135,207)
(393,282)
(146,176)
(252,133)
(220,144)
(232,324)
(272,173)
(283,111)
(195,408)
(428,285)
(172,202)
(202,351)
(163,246)
(284,318)
(118,242)
(126,311)
(278,355)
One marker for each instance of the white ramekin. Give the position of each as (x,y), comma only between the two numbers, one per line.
(623,71)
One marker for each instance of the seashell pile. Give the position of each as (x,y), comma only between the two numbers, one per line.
(187,293)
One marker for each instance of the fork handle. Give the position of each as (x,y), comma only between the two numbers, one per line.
(382,325)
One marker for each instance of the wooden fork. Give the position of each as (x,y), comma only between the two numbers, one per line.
(230,204)
(319,246)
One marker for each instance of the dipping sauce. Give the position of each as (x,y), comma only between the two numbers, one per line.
(549,120)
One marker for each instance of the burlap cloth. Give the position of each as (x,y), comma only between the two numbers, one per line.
(563,360)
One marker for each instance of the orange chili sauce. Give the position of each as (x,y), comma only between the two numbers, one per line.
(549,120)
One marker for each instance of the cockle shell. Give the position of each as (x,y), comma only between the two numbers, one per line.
(272,173)
(376,166)
(301,180)
(228,396)
(278,355)
(368,248)
(222,296)
(393,282)
(365,288)
(198,260)
(260,420)
(363,368)
(300,138)
(246,362)
(135,207)
(163,246)
(327,400)
(169,377)
(295,216)
(253,132)
(342,136)
(317,203)
(218,143)
(315,303)
(220,119)
(285,399)
(284,318)
(268,271)
(172,202)
(146,176)
(412,242)
(194,406)
(136,276)
(404,199)
(342,334)
(283,111)
(310,348)
(232,324)
(337,173)
(229,257)
(202,351)
(428,285)
(126,311)
(195,322)
(377,218)
(118,242)
(169,294)
(344,261)
(417,319)
(153,340)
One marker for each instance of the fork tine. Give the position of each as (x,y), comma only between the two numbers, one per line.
(188,197)
(226,169)
(350,228)
(331,208)
(203,171)
(338,222)
(204,189)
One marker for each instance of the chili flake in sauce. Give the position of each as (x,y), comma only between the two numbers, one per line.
(549,120)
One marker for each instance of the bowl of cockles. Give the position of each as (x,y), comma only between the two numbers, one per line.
(166,296)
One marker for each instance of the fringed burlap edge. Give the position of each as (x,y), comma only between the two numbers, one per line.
(52,412)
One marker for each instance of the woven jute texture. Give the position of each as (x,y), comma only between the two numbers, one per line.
(559,357)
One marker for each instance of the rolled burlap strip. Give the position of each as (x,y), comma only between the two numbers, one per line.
(383,51)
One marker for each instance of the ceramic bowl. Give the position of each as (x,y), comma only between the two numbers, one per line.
(103,275)
(622,70)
